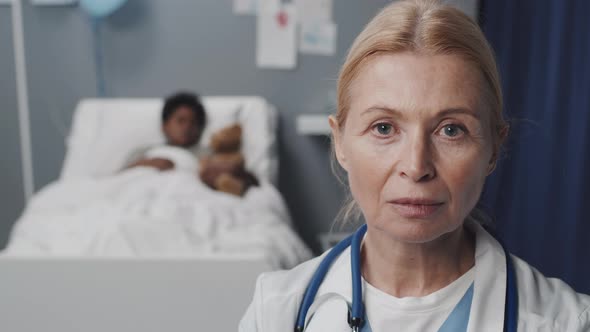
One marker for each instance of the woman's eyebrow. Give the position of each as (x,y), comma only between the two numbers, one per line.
(380,108)
(458,110)
(400,115)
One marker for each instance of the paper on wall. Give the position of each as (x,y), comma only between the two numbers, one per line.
(314,10)
(253,7)
(268,6)
(318,38)
(276,39)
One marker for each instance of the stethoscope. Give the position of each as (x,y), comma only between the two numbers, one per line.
(356,311)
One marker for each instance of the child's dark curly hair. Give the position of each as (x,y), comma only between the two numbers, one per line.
(187,99)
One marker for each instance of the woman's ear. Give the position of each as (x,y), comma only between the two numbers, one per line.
(503,134)
(492,166)
(337,141)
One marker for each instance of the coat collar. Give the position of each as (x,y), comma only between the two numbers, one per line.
(489,293)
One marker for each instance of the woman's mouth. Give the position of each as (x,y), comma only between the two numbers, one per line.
(415,208)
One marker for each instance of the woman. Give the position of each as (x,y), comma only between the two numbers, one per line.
(418,129)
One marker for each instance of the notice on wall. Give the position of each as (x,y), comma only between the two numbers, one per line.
(254,7)
(318,38)
(276,42)
(314,10)
(268,6)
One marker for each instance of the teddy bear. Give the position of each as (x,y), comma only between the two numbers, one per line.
(224,168)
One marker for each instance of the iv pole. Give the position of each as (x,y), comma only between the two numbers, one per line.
(22,98)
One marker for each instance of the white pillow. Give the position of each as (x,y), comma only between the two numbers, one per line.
(106,132)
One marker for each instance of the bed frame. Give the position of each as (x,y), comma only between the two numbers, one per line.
(126,295)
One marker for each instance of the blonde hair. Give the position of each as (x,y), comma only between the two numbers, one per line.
(423,27)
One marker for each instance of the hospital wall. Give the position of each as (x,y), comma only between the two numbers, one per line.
(152,48)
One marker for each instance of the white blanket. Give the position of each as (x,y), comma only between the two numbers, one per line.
(144,212)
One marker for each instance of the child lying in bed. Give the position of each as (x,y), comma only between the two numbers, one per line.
(183,122)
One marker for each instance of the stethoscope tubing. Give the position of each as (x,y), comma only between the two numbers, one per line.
(356,313)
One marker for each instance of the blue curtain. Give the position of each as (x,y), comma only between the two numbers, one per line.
(540,191)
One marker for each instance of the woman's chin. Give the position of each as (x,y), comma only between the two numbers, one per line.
(416,231)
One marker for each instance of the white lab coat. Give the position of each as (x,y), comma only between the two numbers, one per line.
(545,304)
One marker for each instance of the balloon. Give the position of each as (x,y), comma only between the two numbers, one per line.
(101,8)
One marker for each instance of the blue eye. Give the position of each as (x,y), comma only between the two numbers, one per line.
(384,128)
(452,130)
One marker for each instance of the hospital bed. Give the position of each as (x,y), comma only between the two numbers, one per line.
(150,273)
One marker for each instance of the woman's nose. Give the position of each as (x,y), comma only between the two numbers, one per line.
(416,160)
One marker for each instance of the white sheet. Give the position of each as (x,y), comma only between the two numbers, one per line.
(143,212)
